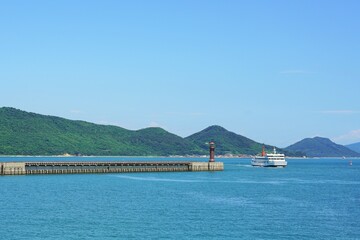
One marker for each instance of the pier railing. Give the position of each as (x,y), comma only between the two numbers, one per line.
(20,168)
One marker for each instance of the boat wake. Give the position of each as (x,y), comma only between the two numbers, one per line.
(245,166)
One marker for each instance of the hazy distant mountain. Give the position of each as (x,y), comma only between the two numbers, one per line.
(321,147)
(227,142)
(355,147)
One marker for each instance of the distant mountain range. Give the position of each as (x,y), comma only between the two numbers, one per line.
(322,147)
(24,133)
(355,147)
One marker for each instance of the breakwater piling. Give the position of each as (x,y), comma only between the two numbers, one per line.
(22,168)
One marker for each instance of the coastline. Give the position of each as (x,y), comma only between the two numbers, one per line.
(173,157)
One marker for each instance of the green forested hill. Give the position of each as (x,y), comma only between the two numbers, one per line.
(23,133)
(228,142)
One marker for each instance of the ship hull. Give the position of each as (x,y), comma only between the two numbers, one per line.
(267,163)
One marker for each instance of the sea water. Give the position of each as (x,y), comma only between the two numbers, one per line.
(309,199)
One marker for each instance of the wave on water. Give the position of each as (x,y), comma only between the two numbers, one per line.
(197,180)
(320,181)
(220,199)
(154,179)
(241,181)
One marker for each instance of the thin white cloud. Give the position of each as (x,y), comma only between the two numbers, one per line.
(294,72)
(75,111)
(105,122)
(154,124)
(348,138)
(192,114)
(339,111)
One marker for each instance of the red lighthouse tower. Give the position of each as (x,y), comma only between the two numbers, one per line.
(212,151)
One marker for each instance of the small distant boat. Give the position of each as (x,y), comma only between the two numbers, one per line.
(269,159)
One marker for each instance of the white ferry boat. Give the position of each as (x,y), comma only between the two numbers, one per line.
(269,159)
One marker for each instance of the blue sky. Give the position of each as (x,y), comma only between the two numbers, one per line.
(274,71)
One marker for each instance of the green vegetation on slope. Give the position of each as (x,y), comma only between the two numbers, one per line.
(23,133)
(227,142)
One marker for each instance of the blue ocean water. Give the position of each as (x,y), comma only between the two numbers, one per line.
(309,199)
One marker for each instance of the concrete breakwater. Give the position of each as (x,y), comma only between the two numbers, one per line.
(21,168)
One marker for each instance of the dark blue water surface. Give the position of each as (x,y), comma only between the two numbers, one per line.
(309,199)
